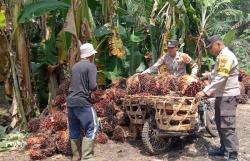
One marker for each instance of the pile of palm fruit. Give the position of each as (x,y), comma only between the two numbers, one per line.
(163,84)
(49,132)
(244,87)
(49,135)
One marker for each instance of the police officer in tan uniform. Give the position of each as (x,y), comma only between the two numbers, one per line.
(226,88)
(175,61)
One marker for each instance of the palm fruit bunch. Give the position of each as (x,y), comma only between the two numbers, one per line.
(148,84)
(184,81)
(97,96)
(38,141)
(108,125)
(192,89)
(173,83)
(243,96)
(59,120)
(59,100)
(34,125)
(36,154)
(120,133)
(119,95)
(133,85)
(163,84)
(120,84)
(63,87)
(63,142)
(100,108)
(104,108)
(110,109)
(35,145)
(54,122)
(246,82)
(101,138)
(50,149)
(109,94)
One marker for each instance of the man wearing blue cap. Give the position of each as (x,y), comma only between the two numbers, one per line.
(225,86)
(81,113)
(175,61)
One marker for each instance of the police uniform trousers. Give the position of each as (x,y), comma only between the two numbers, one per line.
(225,118)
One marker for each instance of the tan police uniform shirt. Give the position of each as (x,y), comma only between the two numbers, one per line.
(224,76)
(175,66)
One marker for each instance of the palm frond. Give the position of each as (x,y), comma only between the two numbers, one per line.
(232,14)
(218,27)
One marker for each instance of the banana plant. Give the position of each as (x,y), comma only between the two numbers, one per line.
(208,8)
(23,60)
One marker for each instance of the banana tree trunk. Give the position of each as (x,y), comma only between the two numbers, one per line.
(17,92)
(23,61)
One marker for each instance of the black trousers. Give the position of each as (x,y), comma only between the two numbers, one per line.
(225,117)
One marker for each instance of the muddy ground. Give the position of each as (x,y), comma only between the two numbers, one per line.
(193,148)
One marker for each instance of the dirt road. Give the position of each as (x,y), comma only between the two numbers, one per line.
(189,149)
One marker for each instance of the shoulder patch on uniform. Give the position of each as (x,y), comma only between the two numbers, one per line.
(224,65)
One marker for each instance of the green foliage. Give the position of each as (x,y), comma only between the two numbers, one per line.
(11,141)
(136,39)
(138,36)
(218,27)
(245,35)
(2,131)
(103,31)
(2,19)
(241,48)
(238,40)
(193,18)
(207,63)
(229,37)
(33,10)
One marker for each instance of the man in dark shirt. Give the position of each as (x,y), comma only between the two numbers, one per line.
(81,113)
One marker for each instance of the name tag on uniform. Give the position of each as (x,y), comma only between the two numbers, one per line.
(224,66)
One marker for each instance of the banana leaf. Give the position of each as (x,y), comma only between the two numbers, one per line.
(113,68)
(229,37)
(102,31)
(35,67)
(122,31)
(136,39)
(37,9)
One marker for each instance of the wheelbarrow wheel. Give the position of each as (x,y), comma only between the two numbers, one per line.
(152,143)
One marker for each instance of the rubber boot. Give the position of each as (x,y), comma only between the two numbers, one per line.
(87,149)
(217,152)
(76,150)
(232,156)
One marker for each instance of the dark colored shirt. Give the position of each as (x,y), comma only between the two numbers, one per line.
(83,81)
